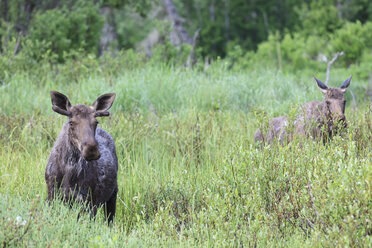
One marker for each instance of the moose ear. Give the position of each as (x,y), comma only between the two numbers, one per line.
(60,103)
(321,86)
(103,103)
(346,83)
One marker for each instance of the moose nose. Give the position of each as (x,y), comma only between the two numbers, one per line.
(341,119)
(90,150)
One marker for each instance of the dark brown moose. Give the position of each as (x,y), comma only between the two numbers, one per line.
(83,165)
(315,119)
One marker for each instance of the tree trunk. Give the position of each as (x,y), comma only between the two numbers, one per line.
(227,21)
(5,10)
(212,17)
(108,40)
(179,34)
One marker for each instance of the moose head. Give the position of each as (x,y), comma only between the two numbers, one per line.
(82,121)
(335,100)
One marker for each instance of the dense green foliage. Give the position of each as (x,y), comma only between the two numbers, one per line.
(69,28)
(304,32)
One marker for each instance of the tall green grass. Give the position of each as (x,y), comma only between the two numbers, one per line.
(166,89)
(189,172)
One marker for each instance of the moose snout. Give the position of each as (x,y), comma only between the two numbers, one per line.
(340,119)
(90,150)
(343,121)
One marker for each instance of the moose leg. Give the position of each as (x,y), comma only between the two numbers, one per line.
(110,207)
(53,180)
(258,136)
(93,212)
(53,183)
(51,191)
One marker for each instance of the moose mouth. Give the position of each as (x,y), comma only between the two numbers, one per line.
(91,158)
(338,124)
(91,153)
(341,122)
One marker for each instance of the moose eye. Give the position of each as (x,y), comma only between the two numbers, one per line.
(70,123)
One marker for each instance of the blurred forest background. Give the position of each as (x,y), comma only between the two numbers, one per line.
(287,34)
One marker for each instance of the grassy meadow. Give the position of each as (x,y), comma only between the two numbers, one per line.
(189,172)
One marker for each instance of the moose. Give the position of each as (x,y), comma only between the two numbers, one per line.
(319,120)
(83,165)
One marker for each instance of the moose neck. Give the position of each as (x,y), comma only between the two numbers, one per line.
(328,116)
(72,154)
(333,124)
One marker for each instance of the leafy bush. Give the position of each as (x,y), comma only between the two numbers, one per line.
(292,49)
(319,17)
(132,28)
(169,54)
(298,51)
(363,69)
(64,29)
(353,39)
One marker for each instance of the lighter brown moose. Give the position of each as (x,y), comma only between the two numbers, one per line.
(319,120)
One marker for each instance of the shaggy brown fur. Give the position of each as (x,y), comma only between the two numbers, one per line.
(276,131)
(83,165)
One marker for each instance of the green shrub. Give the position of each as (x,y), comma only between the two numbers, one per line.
(353,39)
(298,51)
(363,70)
(319,18)
(65,29)
(292,49)
(167,53)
